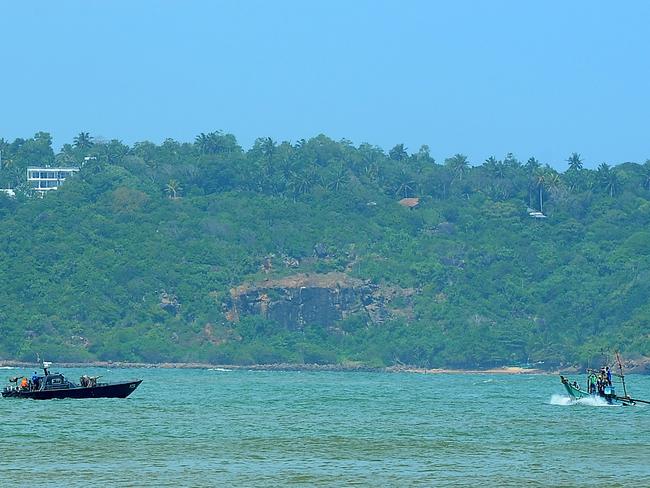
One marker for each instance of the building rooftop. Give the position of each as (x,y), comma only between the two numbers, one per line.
(409,202)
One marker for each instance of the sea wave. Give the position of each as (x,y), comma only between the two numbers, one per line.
(219,369)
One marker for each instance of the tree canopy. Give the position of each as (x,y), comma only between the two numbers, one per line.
(134,257)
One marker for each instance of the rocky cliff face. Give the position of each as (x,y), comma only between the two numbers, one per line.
(314,299)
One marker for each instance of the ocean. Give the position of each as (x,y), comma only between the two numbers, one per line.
(203,428)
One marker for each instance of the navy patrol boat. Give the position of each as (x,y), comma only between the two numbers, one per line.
(54,385)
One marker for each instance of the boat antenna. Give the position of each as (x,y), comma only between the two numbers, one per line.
(620,369)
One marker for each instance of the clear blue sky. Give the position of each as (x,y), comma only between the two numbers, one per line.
(477,77)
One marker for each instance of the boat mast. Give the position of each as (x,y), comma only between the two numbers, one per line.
(620,369)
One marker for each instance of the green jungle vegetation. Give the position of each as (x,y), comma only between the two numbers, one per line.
(83,269)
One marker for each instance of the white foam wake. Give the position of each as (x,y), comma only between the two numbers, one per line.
(591,401)
(560,400)
(594,401)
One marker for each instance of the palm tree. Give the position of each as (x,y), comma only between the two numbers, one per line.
(646,174)
(458,164)
(212,143)
(424,154)
(511,161)
(173,188)
(573,180)
(532,165)
(405,184)
(301,182)
(490,165)
(217,142)
(5,161)
(553,181)
(398,153)
(4,145)
(339,179)
(501,170)
(203,142)
(83,141)
(540,179)
(575,162)
(608,178)
(371,171)
(268,148)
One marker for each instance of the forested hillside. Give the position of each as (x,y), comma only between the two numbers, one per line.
(135,257)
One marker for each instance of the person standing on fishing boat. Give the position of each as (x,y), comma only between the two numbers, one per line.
(591,384)
(609,376)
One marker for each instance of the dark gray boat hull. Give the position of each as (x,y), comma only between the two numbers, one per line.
(111,390)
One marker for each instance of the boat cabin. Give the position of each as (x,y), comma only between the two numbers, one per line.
(56,381)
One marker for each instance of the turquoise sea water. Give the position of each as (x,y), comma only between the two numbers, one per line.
(255,428)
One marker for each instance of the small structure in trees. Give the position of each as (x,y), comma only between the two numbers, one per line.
(535,213)
(409,202)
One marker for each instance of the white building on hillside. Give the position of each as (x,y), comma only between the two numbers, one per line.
(45,179)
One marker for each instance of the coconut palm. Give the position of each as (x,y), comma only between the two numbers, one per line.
(490,165)
(540,180)
(5,161)
(405,185)
(371,171)
(301,182)
(398,153)
(532,165)
(173,188)
(268,147)
(608,178)
(213,143)
(458,164)
(575,162)
(553,182)
(646,175)
(203,142)
(4,146)
(424,154)
(501,170)
(338,179)
(511,161)
(573,180)
(83,141)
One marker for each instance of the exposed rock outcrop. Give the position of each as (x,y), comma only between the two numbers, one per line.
(315,299)
(169,302)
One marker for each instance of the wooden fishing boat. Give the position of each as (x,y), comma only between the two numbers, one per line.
(608,393)
(600,385)
(49,386)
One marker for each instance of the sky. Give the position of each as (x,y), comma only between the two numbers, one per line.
(481,78)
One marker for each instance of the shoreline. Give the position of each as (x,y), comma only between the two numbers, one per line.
(505,370)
